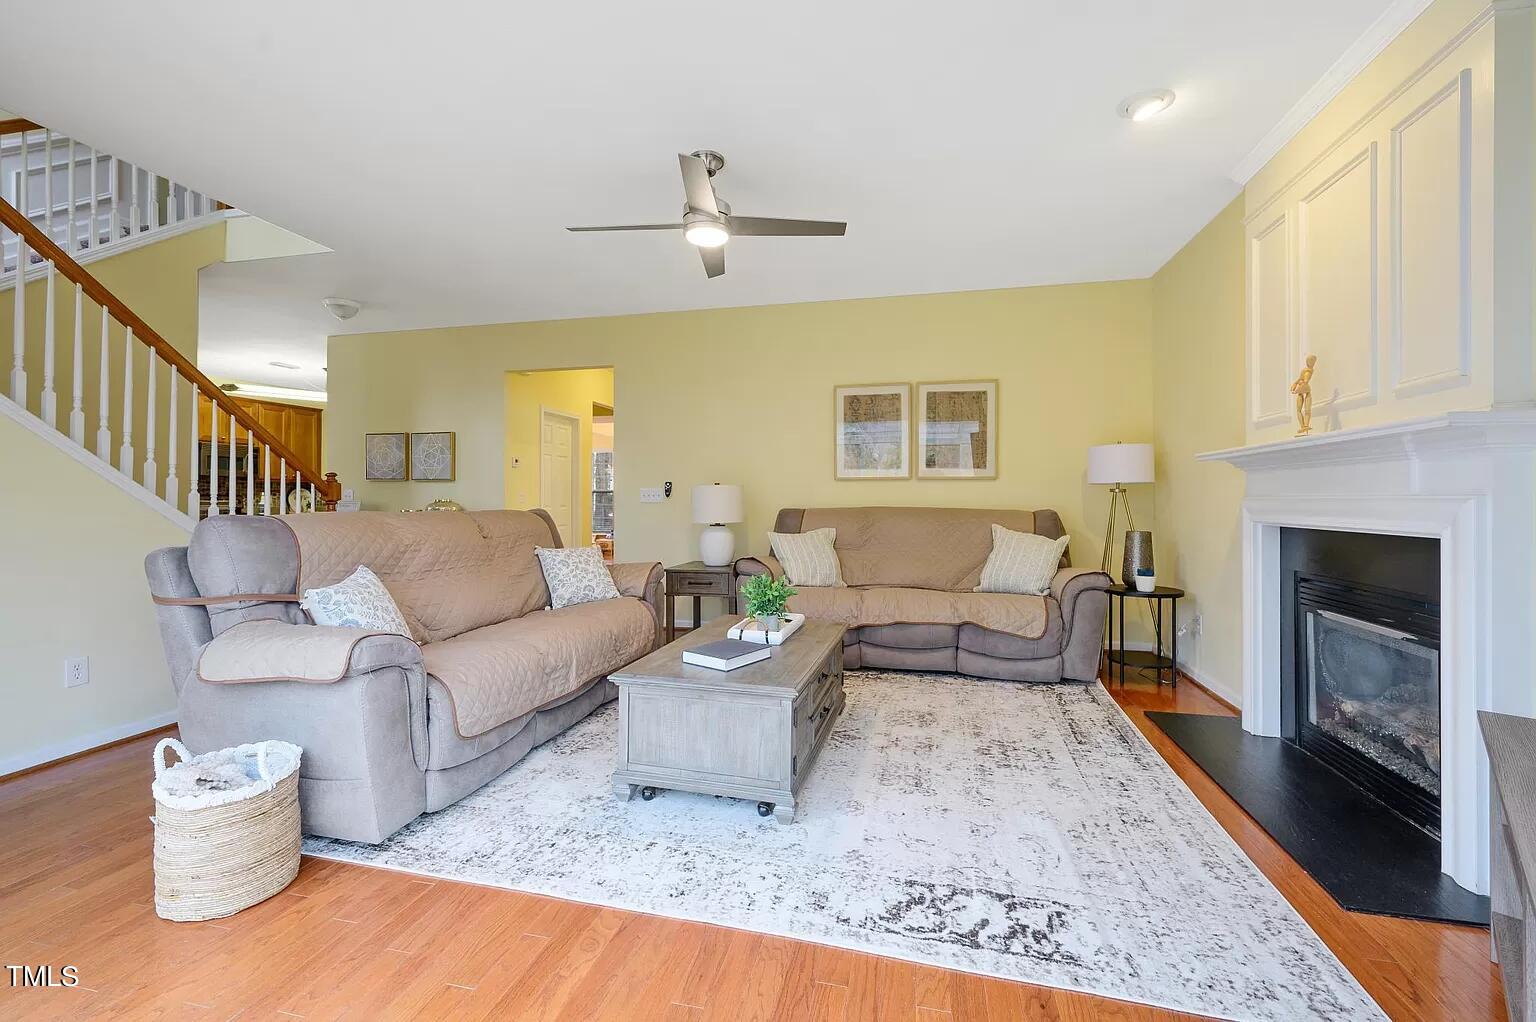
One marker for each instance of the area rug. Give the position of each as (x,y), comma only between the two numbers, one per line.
(1022,831)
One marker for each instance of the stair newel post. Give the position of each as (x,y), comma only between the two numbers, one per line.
(172,484)
(151,468)
(69,220)
(250,472)
(332,485)
(50,400)
(48,183)
(77,367)
(104,383)
(125,453)
(115,215)
(234,480)
(213,456)
(266,479)
(194,463)
(19,320)
(282,486)
(91,235)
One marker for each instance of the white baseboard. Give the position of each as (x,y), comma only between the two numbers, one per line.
(1230,694)
(83,743)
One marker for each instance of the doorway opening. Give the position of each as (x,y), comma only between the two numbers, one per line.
(557,422)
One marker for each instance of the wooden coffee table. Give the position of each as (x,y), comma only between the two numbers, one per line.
(749,733)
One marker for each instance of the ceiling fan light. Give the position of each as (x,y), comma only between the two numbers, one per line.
(1146,105)
(706,234)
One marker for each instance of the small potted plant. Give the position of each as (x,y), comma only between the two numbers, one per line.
(766,596)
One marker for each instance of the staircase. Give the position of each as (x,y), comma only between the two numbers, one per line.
(138,386)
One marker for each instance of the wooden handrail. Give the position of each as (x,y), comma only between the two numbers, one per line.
(65,265)
(15,124)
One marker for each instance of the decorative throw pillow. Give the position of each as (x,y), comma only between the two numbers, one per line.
(1021,562)
(575,575)
(809,558)
(357,601)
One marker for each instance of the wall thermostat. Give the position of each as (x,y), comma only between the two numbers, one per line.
(667,488)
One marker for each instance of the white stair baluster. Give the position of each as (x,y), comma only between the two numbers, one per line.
(282,486)
(125,452)
(298,490)
(250,472)
(172,484)
(91,236)
(266,479)
(77,383)
(19,327)
(133,199)
(194,463)
(103,383)
(151,427)
(213,458)
(48,185)
(115,215)
(314,503)
(234,480)
(50,401)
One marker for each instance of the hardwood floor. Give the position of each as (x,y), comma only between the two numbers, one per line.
(351,942)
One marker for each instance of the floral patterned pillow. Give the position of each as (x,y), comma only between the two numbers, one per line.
(357,601)
(575,575)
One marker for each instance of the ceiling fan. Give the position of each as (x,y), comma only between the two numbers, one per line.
(707,219)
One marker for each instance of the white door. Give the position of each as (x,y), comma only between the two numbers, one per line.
(557,473)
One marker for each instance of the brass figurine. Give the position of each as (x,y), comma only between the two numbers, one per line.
(1302,388)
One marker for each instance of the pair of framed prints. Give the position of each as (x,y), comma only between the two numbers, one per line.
(953,430)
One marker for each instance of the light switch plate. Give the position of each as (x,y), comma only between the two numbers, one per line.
(651,495)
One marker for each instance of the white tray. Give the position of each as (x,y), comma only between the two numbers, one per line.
(748,631)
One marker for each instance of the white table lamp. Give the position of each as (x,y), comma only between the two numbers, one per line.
(1114,465)
(717,505)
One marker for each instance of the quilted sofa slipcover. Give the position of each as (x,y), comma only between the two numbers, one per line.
(391,726)
(910,601)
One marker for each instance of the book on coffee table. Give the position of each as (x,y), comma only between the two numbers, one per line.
(726,654)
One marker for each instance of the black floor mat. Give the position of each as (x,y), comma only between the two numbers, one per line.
(1364,855)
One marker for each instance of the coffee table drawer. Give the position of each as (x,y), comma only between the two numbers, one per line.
(687,583)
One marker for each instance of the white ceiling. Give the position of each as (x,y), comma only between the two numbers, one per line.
(254,313)
(440,150)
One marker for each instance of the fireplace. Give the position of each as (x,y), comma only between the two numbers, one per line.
(1362,675)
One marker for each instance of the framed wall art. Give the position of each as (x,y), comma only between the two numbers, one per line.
(872,431)
(386,456)
(432,457)
(957,430)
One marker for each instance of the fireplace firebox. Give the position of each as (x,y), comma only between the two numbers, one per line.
(1362,690)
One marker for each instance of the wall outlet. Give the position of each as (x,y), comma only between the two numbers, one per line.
(652,495)
(77,672)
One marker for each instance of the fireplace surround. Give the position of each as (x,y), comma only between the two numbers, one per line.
(1466,480)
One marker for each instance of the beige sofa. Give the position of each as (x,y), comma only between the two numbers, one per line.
(391,726)
(910,601)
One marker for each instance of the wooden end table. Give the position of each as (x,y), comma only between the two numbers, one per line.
(1155,659)
(751,733)
(698,580)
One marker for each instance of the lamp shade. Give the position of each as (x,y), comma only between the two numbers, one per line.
(1120,463)
(716,504)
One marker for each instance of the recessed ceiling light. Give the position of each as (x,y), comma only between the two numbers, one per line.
(1146,104)
(283,365)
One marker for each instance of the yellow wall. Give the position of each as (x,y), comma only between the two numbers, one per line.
(1197,375)
(159,282)
(73,548)
(745,396)
(527,394)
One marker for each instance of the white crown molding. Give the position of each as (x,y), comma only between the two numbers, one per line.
(1360,53)
(39,428)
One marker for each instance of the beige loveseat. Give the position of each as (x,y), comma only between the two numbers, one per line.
(391,726)
(910,601)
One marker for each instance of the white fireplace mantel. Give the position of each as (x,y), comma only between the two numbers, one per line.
(1466,479)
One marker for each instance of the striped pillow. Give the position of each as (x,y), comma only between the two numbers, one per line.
(808,557)
(1021,563)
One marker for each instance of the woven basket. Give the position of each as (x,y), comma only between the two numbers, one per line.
(228,850)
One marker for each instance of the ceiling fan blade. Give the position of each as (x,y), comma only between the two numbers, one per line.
(714,260)
(631,227)
(768,226)
(696,185)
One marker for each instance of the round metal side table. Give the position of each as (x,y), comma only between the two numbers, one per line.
(1118,655)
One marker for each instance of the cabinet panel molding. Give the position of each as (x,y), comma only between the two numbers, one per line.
(1271,337)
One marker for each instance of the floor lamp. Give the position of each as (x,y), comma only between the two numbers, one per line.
(1114,465)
